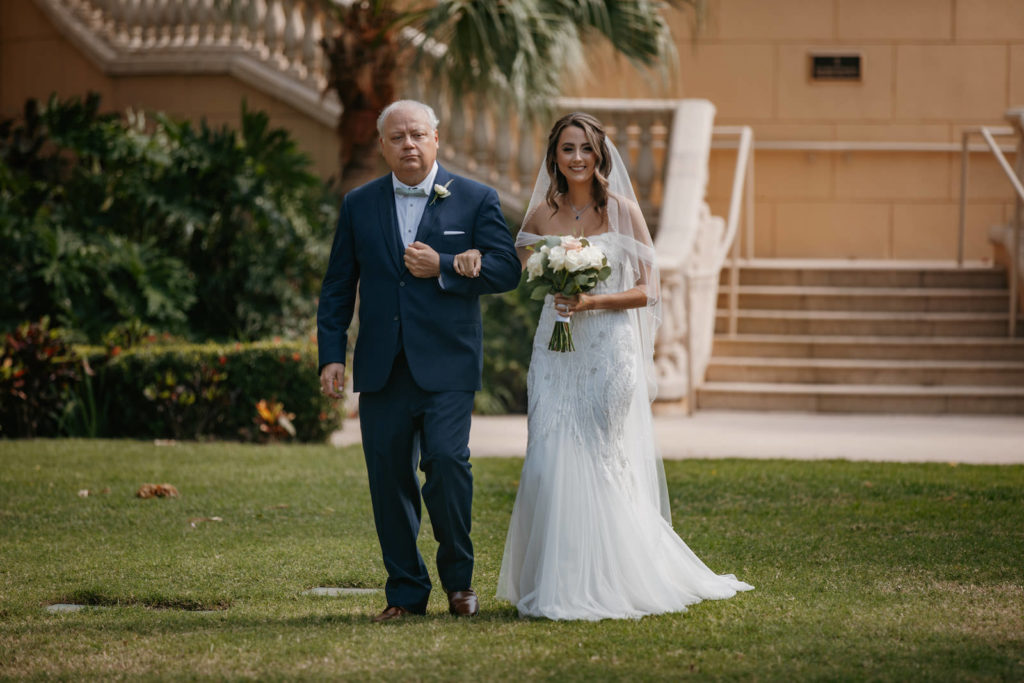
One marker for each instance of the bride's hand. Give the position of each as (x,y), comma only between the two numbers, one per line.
(467,264)
(567,305)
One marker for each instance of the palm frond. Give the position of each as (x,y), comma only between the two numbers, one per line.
(520,52)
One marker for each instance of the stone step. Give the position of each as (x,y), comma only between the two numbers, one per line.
(852,371)
(955,324)
(852,398)
(921,299)
(848,273)
(929,348)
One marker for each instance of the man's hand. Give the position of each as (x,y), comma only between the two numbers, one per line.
(422,261)
(332,380)
(467,264)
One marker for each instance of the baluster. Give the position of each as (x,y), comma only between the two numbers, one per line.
(644,175)
(412,89)
(271,28)
(482,137)
(159,22)
(211,15)
(432,96)
(223,21)
(526,160)
(102,18)
(95,14)
(180,21)
(456,130)
(81,8)
(290,39)
(131,21)
(620,126)
(234,32)
(173,34)
(117,27)
(202,21)
(252,24)
(172,19)
(206,27)
(164,21)
(192,21)
(503,144)
(146,25)
(175,20)
(310,40)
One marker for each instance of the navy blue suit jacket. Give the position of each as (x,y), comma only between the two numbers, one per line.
(439,329)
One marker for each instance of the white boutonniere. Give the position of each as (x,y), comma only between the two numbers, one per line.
(441,192)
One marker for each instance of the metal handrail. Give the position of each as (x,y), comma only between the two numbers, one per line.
(742,191)
(988,133)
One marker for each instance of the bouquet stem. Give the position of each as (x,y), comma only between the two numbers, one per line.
(561,336)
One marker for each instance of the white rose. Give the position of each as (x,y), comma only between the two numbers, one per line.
(534,266)
(592,256)
(556,258)
(575,261)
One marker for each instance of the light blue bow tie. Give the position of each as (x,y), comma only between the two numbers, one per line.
(410,191)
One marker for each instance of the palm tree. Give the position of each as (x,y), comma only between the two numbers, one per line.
(514,52)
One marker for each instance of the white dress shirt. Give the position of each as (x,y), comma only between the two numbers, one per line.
(410,209)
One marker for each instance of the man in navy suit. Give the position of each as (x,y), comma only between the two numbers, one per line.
(422,245)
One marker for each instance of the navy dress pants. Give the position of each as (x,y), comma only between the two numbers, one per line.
(403,427)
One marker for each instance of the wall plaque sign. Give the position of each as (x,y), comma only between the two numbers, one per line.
(835,67)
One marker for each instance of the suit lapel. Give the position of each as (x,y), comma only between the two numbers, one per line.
(388,220)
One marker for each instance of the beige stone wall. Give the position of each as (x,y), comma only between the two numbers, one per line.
(35,61)
(930,68)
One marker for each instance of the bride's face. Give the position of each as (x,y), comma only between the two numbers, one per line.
(575,156)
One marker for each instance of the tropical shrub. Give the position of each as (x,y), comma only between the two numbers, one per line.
(208,232)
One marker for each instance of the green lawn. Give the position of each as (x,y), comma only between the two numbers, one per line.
(862,571)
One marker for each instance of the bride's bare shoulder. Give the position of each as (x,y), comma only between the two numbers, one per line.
(539,222)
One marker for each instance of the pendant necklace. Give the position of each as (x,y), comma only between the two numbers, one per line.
(580,212)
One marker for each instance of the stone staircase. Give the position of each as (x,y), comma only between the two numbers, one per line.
(869,337)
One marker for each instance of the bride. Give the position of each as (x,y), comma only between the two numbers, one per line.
(591,535)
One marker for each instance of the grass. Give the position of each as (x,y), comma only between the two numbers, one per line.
(862,572)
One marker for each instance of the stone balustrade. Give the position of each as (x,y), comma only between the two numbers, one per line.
(273,45)
(283,32)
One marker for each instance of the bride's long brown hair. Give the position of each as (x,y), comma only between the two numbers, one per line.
(595,135)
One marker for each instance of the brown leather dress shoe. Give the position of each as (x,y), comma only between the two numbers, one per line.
(392,612)
(463,603)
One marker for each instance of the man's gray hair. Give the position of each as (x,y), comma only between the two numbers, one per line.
(431,116)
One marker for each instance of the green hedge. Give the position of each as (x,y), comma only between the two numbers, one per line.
(191,391)
(161,388)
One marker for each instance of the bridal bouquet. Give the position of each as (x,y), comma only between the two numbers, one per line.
(568,266)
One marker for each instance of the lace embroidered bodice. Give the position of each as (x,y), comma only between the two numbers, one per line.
(587,392)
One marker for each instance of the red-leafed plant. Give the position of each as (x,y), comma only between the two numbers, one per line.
(37,370)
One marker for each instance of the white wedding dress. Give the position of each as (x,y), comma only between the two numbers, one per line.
(589,536)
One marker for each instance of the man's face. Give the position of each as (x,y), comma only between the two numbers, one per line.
(409,144)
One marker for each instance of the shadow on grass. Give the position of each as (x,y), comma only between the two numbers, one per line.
(95,598)
(190,617)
